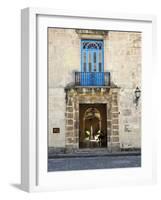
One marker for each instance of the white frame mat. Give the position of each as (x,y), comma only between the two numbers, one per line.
(34,175)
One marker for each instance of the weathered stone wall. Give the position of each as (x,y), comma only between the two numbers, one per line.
(63,60)
(123,60)
(122,57)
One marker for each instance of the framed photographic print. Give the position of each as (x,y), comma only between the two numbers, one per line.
(86,110)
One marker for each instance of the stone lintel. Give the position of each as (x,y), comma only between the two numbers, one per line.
(91,32)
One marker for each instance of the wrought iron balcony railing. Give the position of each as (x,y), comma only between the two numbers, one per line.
(92,78)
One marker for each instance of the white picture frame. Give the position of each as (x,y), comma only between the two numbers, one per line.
(33,165)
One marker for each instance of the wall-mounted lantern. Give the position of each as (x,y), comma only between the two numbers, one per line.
(137,96)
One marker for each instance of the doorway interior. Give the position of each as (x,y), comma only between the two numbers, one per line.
(92,126)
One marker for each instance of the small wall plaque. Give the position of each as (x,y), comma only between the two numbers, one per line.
(56,130)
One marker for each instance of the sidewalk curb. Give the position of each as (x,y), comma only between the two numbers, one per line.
(79,155)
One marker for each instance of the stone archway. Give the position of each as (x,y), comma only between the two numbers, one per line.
(92,123)
(92,97)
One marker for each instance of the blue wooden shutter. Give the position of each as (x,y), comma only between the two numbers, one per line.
(92,62)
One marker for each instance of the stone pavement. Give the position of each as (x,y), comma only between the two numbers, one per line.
(94,162)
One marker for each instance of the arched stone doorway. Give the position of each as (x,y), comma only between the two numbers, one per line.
(93,126)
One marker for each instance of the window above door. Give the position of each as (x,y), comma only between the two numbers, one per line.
(92,64)
(92,57)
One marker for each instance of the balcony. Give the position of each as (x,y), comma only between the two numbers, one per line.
(92,78)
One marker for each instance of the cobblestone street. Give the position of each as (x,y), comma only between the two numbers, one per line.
(102,162)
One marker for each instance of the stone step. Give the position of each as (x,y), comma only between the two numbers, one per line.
(92,150)
(98,151)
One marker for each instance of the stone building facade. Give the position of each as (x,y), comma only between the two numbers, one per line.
(83,112)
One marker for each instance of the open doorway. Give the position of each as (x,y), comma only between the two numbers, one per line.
(93,126)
